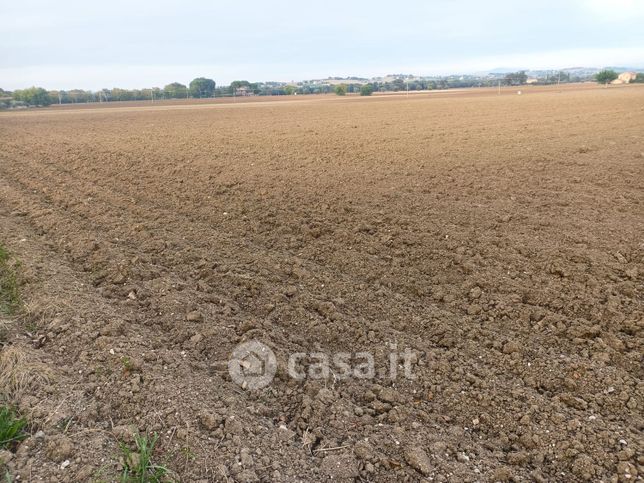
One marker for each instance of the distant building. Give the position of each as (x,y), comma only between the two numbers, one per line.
(625,78)
(532,80)
(243,91)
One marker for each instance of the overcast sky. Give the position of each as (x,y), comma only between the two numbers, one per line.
(128,43)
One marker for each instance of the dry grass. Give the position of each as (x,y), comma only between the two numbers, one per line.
(20,373)
(9,295)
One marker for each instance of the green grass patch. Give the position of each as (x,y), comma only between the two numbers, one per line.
(11,427)
(9,295)
(138,466)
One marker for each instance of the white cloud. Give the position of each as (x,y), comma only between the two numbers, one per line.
(614,10)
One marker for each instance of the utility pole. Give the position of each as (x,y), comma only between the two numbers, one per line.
(499,87)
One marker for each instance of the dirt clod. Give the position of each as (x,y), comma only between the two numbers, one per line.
(194,316)
(59,448)
(340,466)
(417,458)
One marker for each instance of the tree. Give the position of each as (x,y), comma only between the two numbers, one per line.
(399,84)
(240,87)
(639,78)
(34,96)
(606,76)
(236,84)
(120,94)
(558,77)
(5,99)
(175,90)
(366,90)
(202,87)
(516,78)
(341,90)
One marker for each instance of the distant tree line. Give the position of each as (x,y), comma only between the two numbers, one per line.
(202,87)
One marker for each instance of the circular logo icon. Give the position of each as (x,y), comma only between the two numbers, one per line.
(252,365)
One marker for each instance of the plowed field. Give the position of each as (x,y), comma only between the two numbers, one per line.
(498,239)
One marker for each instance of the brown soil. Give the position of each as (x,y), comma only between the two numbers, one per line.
(497,237)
